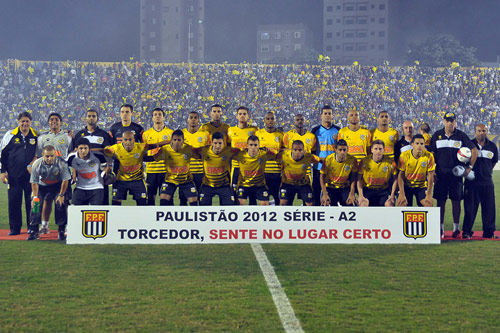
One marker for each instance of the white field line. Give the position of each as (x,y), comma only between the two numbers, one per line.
(285,311)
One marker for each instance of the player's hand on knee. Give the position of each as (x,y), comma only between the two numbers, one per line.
(402,202)
(325,200)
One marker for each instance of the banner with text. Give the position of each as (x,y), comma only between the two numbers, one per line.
(252,224)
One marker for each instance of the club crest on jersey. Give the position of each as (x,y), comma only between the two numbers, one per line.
(91,164)
(424,164)
(32,141)
(136,155)
(362,136)
(385,169)
(260,160)
(200,139)
(277,139)
(16,140)
(165,137)
(94,223)
(100,140)
(347,167)
(415,224)
(391,137)
(308,141)
(224,157)
(61,141)
(304,166)
(457,144)
(490,155)
(185,156)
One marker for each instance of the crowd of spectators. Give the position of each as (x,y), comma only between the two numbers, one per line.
(415,93)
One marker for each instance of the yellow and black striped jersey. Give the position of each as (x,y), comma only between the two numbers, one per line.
(197,139)
(308,139)
(390,137)
(337,173)
(237,138)
(416,170)
(176,164)
(295,172)
(130,162)
(208,127)
(251,168)
(358,142)
(274,142)
(377,175)
(152,136)
(216,167)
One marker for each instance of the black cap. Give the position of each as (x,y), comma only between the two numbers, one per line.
(450,116)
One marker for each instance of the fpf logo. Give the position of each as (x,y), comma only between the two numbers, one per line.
(94,223)
(415,224)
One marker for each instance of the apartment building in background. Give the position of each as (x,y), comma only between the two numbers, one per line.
(282,41)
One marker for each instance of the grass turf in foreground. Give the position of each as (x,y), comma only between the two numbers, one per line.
(52,287)
(391,287)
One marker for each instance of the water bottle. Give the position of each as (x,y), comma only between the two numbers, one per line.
(36,205)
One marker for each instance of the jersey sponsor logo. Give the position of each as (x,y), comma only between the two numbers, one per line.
(179,169)
(240,145)
(253,173)
(87,175)
(215,170)
(94,223)
(131,168)
(415,224)
(356,149)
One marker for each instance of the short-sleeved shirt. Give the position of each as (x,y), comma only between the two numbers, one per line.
(48,174)
(197,139)
(308,139)
(99,138)
(486,159)
(358,142)
(295,172)
(216,166)
(88,171)
(274,142)
(376,175)
(60,141)
(177,164)
(389,137)
(251,168)
(117,130)
(152,136)
(130,162)
(337,173)
(416,169)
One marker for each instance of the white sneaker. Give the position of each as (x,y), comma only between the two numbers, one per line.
(45,229)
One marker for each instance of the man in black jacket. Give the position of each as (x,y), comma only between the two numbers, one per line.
(18,152)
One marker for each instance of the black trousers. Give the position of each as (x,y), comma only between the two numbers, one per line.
(50,192)
(15,195)
(474,195)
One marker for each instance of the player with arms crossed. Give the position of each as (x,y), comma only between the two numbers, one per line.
(416,174)
(338,177)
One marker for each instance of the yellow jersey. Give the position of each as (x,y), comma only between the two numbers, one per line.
(389,137)
(416,170)
(308,139)
(130,162)
(251,168)
(274,142)
(211,129)
(152,136)
(177,164)
(216,167)
(197,139)
(358,142)
(237,138)
(377,175)
(337,173)
(295,172)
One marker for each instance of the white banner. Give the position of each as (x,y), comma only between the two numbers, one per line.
(252,224)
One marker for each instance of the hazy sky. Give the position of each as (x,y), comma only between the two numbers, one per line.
(108,30)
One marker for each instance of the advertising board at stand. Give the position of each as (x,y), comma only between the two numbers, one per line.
(252,224)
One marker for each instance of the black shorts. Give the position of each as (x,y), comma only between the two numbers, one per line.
(338,196)
(448,186)
(88,197)
(225,194)
(187,189)
(136,187)
(304,192)
(417,192)
(154,182)
(261,193)
(377,198)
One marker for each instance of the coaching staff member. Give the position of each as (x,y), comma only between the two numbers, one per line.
(444,144)
(481,189)
(18,151)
